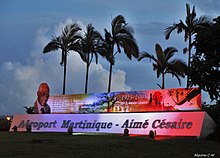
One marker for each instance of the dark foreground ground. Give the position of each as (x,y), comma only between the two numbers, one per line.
(63,145)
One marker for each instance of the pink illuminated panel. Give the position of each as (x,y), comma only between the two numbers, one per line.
(165,123)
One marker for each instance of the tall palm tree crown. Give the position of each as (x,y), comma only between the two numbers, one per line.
(163,63)
(190,28)
(88,46)
(121,36)
(67,41)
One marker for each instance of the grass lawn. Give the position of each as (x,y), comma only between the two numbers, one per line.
(39,145)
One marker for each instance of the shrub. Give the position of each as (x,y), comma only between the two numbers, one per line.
(5,124)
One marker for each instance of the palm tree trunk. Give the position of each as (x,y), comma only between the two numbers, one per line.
(64,72)
(163,80)
(189,56)
(110,78)
(87,77)
(108,106)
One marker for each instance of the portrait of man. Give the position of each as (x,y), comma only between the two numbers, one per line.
(43,94)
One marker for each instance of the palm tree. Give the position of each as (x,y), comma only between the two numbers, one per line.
(88,46)
(189,28)
(121,36)
(67,41)
(164,65)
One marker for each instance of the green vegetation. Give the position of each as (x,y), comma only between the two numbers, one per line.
(214,111)
(5,124)
(15,144)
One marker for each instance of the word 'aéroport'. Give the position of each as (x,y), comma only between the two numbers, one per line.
(38,125)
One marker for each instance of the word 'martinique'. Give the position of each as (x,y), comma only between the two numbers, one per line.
(87,125)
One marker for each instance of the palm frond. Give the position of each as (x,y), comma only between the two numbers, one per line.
(169,30)
(169,52)
(53,45)
(70,30)
(187,9)
(190,17)
(130,46)
(96,58)
(159,52)
(159,86)
(181,27)
(104,49)
(117,22)
(204,20)
(178,78)
(157,70)
(146,55)
(177,66)
(128,30)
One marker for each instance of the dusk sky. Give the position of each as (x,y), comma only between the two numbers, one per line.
(26,26)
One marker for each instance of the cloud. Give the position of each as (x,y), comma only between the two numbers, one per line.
(99,79)
(20,80)
(16,89)
(151,29)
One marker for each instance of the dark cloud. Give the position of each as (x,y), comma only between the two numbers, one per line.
(151,29)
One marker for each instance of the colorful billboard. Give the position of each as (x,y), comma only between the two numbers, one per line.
(180,99)
(164,123)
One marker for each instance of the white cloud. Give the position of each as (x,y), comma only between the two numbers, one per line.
(99,79)
(21,80)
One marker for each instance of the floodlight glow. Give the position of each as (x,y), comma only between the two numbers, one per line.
(8,118)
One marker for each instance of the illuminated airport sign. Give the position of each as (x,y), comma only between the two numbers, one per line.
(164,123)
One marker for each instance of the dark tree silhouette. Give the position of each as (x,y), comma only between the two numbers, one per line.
(189,28)
(89,45)
(164,65)
(121,36)
(67,41)
(206,60)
